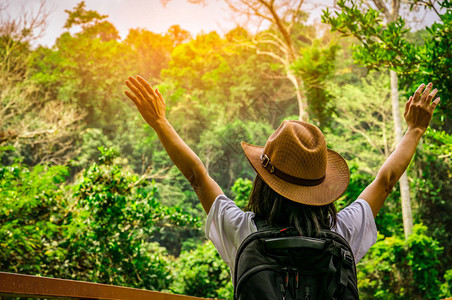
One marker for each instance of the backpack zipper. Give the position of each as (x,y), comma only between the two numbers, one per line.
(296,284)
(283,292)
(307,293)
(286,278)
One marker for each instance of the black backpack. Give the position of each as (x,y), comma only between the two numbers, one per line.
(278,263)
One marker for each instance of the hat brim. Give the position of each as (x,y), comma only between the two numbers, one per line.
(337,178)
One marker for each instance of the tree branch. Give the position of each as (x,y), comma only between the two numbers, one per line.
(281,28)
(295,15)
(382,6)
(250,7)
(271,54)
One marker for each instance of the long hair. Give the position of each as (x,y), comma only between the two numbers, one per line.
(280,211)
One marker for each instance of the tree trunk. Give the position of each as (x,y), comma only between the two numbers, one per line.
(302,113)
(404,185)
(392,15)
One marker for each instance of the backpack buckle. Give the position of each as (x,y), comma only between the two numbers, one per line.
(347,258)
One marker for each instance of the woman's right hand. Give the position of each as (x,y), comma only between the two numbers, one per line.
(149,102)
(419,108)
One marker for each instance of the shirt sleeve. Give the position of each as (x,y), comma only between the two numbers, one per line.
(357,225)
(227,226)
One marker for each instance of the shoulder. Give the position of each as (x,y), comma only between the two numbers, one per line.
(357,225)
(226,212)
(358,209)
(355,216)
(227,226)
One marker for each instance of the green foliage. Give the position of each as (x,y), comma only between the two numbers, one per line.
(315,67)
(383,45)
(86,68)
(433,188)
(434,66)
(388,45)
(109,234)
(102,234)
(32,210)
(396,268)
(363,133)
(81,16)
(202,272)
(92,23)
(241,190)
(152,51)
(446,287)
(114,225)
(363,129)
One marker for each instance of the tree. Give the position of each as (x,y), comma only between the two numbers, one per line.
(178,35)
(92,23)
(316,66)
(86,69)
(32,212)
(435,63)
(434,168)
(281,42)
(152,50)
(283,38)
(40,127)
(210,84)
(401,269)
(115,215)
(381,45)
(201,272)
(362,131)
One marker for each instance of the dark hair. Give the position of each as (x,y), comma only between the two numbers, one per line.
(279,211)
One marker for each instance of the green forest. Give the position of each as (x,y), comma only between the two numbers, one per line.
(87,192)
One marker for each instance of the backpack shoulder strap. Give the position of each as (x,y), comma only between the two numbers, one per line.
(347,261)
(261,224)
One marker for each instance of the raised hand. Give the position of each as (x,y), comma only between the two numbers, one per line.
(152,107)
(149,102)
(418,114)
(419,108)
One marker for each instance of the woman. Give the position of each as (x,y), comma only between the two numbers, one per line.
(297,181)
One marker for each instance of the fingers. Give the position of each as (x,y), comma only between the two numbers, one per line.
(134,89)
(159,95)
(418,92)
(131,97)
(431,96)
(426,97)
(434,104)
(142,90)
(407,105)
(146,85)
(426,92)
(139,86)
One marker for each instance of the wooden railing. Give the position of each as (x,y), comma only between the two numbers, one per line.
(18,285)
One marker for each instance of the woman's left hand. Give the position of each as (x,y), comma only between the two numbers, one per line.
(149,102)
(420,107)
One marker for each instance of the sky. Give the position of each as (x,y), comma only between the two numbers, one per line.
(148,14)
(127,14)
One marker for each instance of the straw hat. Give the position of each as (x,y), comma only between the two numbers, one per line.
(296,164)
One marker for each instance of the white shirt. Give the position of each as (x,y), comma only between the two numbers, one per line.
(227,226)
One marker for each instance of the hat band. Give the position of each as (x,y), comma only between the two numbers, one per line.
(265,161)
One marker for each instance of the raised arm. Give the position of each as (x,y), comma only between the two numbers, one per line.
(418,113)
(152,107)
